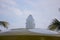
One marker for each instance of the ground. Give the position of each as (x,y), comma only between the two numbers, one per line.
(24,34)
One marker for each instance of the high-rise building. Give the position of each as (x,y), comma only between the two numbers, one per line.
(30,22)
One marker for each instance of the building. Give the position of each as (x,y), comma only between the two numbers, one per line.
(30,22)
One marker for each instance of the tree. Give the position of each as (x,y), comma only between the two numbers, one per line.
(55,25)
(4,24)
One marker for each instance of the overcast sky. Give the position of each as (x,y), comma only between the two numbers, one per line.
(16,12)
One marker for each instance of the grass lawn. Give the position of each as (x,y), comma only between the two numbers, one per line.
(28,37)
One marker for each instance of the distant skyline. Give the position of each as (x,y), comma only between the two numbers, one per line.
(16,12)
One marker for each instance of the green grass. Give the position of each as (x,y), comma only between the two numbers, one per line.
(28,37)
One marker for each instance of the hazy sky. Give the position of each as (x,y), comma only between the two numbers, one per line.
(16,12)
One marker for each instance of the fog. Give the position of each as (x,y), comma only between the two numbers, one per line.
(16,12)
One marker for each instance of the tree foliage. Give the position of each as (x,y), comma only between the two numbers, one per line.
(55,25)
(4,24)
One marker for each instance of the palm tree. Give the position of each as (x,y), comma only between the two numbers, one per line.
(55,25)
(4,24)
